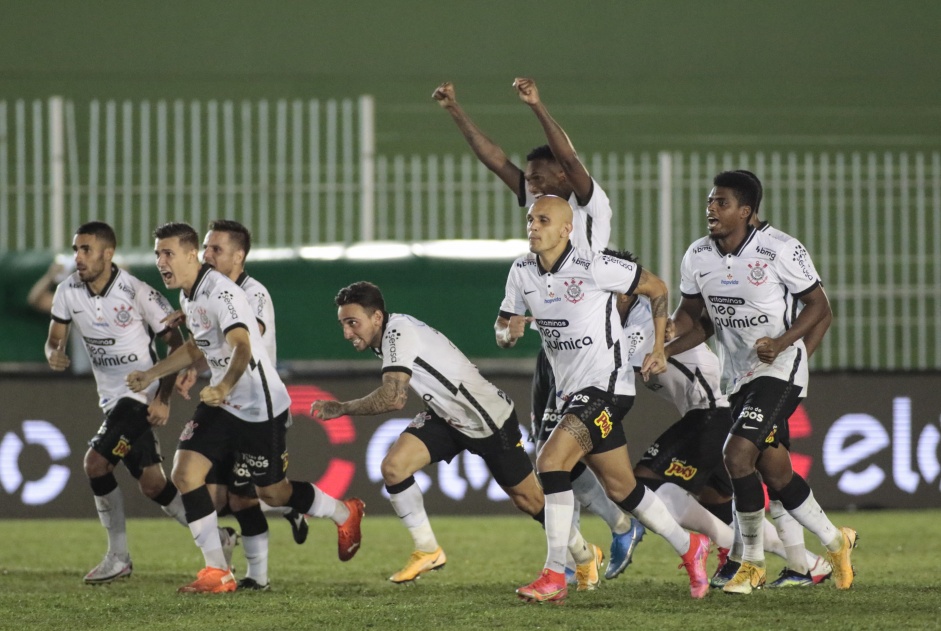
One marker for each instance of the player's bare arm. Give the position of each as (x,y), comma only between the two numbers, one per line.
(650,285)
(558,140)
(488,152)
(688,331)
(508,330)
(391,396)
(55,346)
(816,309)
(173,363)
(239,341)
(813,339)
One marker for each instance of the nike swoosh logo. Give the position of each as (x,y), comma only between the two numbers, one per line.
(748,426)
(701,274)
(352,547)
(526,293)
(79,311)
(240,484)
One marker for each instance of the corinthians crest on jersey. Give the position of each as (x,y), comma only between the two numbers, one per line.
(581,333)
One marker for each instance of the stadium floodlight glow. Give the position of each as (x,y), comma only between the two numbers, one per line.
(378,250)
(274,254)
(477,249)
(321,252)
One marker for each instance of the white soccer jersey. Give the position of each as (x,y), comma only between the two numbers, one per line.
(794,306)
(691,380)
(591,223)
(746,293)
(575,310)
(118,327)
(445,379)
(260,300)
(215,306)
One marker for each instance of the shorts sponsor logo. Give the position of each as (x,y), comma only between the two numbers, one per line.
(771,436)
(122,448)
(255,461)
(284,461)
(680,469)
(603,422)
(573,291)
(188,430)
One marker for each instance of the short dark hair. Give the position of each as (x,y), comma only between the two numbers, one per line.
(183,231)
(760,187)
(101,231)
(542,152)
(364,294)
(745,187)
(236,231)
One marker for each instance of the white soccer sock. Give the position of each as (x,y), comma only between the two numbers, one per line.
(577,551)
(653,514)
(256,553)
(111,514)
(792,537)
(175,509)
(590,494)
(735,552)
(771,540)
(275,510)
(811,516)
(559,510)
(691,515)
(329,507)
(752,525)
(206,535)
(409,505)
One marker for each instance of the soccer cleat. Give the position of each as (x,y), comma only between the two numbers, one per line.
(112,567)
(749,577)
(570,578)
(549,587)
(622,549)
(229,539)
(694,561)
(349,535)
(588,575)
(299,526)
(722,555)
(724,574)
(791,578)
(419,563)
(821,571)
(250,584)
(211,580)
(843,572)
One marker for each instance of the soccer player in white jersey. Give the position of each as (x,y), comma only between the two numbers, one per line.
(555,169)
(464,412)
(571,294)
(117,316)
(740,277)
(684,464)
(245,408)
(225,248)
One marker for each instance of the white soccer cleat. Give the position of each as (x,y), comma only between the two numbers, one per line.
(112,567)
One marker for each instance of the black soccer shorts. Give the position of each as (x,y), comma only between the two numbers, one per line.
(761,409)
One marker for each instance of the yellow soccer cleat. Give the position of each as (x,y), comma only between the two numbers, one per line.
(588,574)
(749,577)
(419,563)
(843,572)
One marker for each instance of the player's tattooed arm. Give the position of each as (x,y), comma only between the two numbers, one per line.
(389,397)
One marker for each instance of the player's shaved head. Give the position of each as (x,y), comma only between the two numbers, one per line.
(554,205)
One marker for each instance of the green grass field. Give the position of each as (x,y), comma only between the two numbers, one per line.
(42,563)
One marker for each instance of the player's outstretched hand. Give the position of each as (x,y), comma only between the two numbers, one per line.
(767,349)
(326,410)
(185,380)
(444,94)
(158,412)
(526,88)
(214,396)
(58,360)
(137,380)
(654,364)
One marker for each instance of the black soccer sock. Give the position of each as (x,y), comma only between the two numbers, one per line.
(578,470)
(103,484)
(302,497)
(251,521)
(197,504)
(749,496)
(794,492)
(632,501)
(166,496)
(401,486)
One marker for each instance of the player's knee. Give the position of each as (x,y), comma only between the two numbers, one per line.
(185,480)
(738,464)
(394,470)
(238,503)
(96,465)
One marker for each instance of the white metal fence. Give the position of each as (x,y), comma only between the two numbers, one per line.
(305,173)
